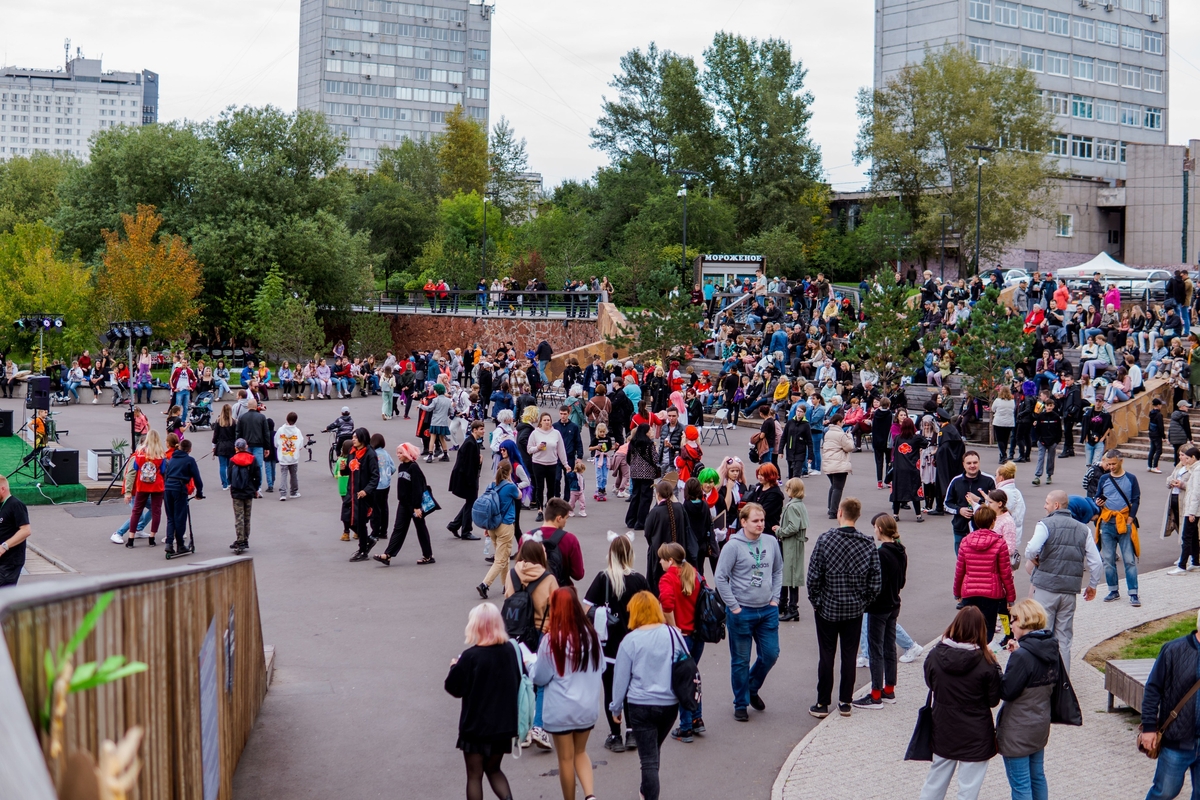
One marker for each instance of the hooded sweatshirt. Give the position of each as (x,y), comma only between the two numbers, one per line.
(288,441)
(983,568)
(244,460)
(527,572)
(749,573)
(1023,726)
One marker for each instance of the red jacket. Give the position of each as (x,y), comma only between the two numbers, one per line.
(670,594)
(983,568)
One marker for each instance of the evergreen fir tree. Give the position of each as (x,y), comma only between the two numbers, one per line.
(887,341)
(992,341)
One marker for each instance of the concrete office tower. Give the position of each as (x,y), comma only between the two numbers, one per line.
(1102,66)
(382,72)
(55,111)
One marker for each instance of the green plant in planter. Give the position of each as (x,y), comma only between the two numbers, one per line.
(118,445)
(89,675)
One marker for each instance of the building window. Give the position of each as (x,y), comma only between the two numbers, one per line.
(1131,77)
(1058,24)
(980,10)
(1033,19)
(1132,5)
(1123,151)
(1085,68)
(1083,28)
(1106,71)
(1131,38)
(478,74)
(1153,119)
(1108,33)
(1153,80)
(1081,107)
(1106,111)
(1106,150)
(981,49)
(1058,145)
(478,35)
(1155,7)
(478,113)
(1066,225)
(1081,147)
(1005,54)
(1058,63)
(478,93)
(1153,42)
(1131,115)
(1033,58)
(1007,13)
(437,96)
(478,55)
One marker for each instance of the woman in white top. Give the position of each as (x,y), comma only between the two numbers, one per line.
(1004,419)
(1183,506)
(548,451)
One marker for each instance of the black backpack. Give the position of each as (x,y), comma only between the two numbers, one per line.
(709,618)
(239,479)
(518,611)
(1091,480)
(554,557)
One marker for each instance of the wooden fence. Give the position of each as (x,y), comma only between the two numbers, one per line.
(198,629)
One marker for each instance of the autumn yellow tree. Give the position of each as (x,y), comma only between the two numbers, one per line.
(463,154)
(144,279)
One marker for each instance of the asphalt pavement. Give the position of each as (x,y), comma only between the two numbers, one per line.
(357,706)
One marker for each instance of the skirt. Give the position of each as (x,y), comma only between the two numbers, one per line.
(439,430)
(491,746)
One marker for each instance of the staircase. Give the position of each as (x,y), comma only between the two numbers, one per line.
(1138,448)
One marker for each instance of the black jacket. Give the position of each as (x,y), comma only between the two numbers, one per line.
(893,570)
(223,438)
(966,687)
(667,522)
(1157,425)
(1047,428)
(881,428)
(487,679)
(464,478)
(956,498)
(252,426)
(1095,425)
(544,351)
(1173,674)
(772,502)
(410,485)
(700,523)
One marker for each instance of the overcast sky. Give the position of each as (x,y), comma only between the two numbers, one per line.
(551,61)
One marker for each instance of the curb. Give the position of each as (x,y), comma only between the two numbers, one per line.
(55,560)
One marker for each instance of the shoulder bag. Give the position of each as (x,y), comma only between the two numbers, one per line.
(920,746)
(685,675)
(1158,735)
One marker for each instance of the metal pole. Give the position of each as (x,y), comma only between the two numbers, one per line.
(1184,258)
(978,212)
(685,260)
(943,269)
(483,265)
(42,347)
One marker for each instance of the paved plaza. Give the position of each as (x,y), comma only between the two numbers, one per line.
(357,707)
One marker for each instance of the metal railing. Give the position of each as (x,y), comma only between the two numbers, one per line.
(470,302)
(169,618)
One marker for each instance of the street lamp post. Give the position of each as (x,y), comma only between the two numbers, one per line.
(943,267)
(980,161)
(687,175)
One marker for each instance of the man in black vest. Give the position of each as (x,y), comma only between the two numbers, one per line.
(464,481)
(1059,550)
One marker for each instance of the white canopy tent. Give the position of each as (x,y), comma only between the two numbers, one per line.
(1106,265)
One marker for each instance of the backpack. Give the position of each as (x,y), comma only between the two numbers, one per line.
(554,557)
(1091,481)
(710,615)
(239,479)
(148,472)
(526,702)
(518,611)
(487,512)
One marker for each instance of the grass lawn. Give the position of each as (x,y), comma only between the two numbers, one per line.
(1148,646)
(1142,641)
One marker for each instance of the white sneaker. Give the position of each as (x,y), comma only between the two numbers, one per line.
(142,535)
(863,662)
(730,426)
(541,738)
(282,497)
(294,495)
(911,654)
(1175,570)
(583,513)
(117,538)
(95,400)
(570,513)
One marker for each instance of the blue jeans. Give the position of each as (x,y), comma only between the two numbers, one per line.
(1168,775)
(1092,452)
(223,462)
(1109,542)
(540,694)
(696,648)
(222,387)
(183,399)
(142,523)
(542,370)
(759,626)
(270,473)
(1186,318)
(257,452)
(1026,777)
(903,640)
(73,390)
(817,438)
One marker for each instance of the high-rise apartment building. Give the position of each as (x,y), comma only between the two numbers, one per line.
(383,71)
(55,111)
(1102,66)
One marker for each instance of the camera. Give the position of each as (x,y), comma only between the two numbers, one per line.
(129,415)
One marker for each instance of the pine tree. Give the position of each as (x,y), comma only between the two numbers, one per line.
(887,342)
(992,341)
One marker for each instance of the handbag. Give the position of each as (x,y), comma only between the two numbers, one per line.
(685,675)
(1158,735)
(428,503)
(920,746)
(603,617)
(1064,705)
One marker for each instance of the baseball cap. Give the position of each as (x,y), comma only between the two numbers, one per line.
(345,409)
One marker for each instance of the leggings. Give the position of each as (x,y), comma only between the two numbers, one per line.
(614,727)
(379,511)
(545,486)
(837,482)
(881,459)
(479,765)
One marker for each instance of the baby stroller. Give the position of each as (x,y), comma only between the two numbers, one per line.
(200,414)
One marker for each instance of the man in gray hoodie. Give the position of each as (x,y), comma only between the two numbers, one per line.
(749,576)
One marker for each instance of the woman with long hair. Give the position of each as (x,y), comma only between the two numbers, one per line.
(678,590)
(486,677)
(1004,421)
(730,491)
(547,451)
(224,434)
(882,613)
(965,682)
(502,535)
(531,573)
(148,486)
(768,495)
(570,666)
(836,447)
(643,471)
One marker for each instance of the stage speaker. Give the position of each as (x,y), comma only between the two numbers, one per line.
(37,395)
(62,466)
(6,422)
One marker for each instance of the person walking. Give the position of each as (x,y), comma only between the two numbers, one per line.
(843,578)
(180,472)
(148,486)
(907,486)
(410,489)
(983,572)
(288,441)
(883,612)
(643,471)
(224,434)
(678,590)
(363,472)
(439,409)
(547,451)
(379,498)
(666,523)
(486,677)
(1059,551)
(1183,508)
(1047,432)
(1156,431)
(570,666)
(1169,712)
(1023,724)
(749,578)
(1118,495)
(509,498)
(792,535)
(610,593)
(881,435)
(244,480)
(464,481)
(14,531)
(964,683)
(253,428)
(836,447)
(642,687)
(531,574)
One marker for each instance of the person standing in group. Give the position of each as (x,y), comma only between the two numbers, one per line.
(486,677)
(147,486)
(1096,424)
(666,523)
(1004,421)
(244,480)
(14,530)
(379,498)
(881,434)
(1180,431)
(983,573)
(410,489)
(965,682)
(1060,549)
(643,471)
(179,471)
(971,482)
(438,408)
(843,578)
(387,387)
(1047,431)
(363,473)
(836,447)
(749,578)
(678,590)
(1184,509)
(906,469)
(883,612)
(509,497)
(547,451)
(570,666)
(253,428)
(642,687)
(464,482)
(224,434)
(1118,495)
(792,535)
(1023,724)
(1006,481)
(1156,432)
(612,589)
(288,441)
(1172,677)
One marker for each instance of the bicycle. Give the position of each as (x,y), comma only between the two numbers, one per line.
(335,449)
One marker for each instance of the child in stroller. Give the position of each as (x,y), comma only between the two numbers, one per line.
(200,414)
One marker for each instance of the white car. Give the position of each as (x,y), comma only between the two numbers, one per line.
(1014,276)
(1151,288)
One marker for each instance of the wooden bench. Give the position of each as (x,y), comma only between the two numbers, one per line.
(1125,679)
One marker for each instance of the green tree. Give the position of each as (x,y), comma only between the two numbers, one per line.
(884,235)
(887,343)
(992,341)
(666,324)
(463,154)
(396,220)
(916,129)
(29,187)
(507,163)
(782,248)
(37,278)
(416,166)
(370,334)
(293,330)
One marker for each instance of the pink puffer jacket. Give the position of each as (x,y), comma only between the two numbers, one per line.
(983,568)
